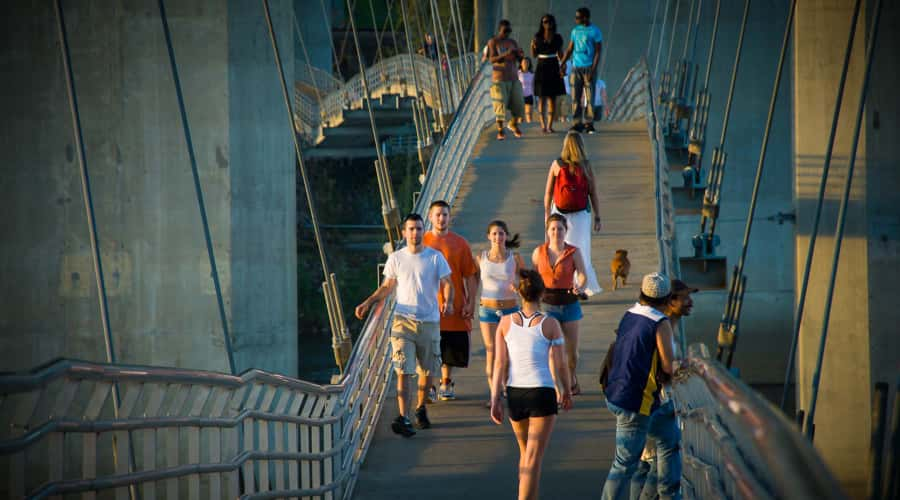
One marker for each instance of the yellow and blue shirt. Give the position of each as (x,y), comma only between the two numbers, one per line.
(632,376)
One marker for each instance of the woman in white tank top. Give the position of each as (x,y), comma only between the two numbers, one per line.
(499,267)
(535,387)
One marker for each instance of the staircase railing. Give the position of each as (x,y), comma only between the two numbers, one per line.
(189,433)
(393,75)
(735,444)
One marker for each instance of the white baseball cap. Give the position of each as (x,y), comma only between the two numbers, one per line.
(656,285)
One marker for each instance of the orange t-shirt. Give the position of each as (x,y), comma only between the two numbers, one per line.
(456,250)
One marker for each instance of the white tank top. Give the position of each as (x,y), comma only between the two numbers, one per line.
(529,354)
(497,278)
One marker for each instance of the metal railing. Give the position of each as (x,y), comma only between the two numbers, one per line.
(735,443)
(393,75)
(189,433)
(447,164)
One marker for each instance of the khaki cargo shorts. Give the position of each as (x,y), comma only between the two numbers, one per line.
(507,96)
(416,346)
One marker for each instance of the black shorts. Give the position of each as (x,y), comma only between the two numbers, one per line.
(531,402)
(529,100)
(455,348)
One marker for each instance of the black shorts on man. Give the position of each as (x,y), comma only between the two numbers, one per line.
(455,348)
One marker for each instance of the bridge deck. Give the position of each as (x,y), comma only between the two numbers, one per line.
(464,453)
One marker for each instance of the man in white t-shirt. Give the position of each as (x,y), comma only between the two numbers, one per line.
(417,273)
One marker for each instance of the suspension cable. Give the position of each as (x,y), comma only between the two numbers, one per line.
(346,35)
(842,219)
(420,97)
(761,164)
(652,29)
(823,181)
(457,27)
(309,66)
(441,38)
(712,45)
(390,10)
(436,91)
(687,25)
(78,134)
(389,205)
(605,54)
(337,62)
(672,36)
(375,28)
(340,335)
(662,36)
(85,185)
(734,70)
(198,187)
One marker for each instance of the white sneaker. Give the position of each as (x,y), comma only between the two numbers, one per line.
(432,395)
(447,392)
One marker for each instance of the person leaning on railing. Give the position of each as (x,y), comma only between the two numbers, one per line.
(643,348)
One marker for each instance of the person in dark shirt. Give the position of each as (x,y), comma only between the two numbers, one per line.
(643,351)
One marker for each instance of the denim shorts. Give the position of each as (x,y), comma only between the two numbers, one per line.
(492,315)
(564,314)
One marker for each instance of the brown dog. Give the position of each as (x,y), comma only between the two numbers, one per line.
(619,267)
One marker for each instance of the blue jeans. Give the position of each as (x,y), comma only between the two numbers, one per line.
(631,435)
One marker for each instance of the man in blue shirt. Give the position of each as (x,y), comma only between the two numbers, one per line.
(585,45)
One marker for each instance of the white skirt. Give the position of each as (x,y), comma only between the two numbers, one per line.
(579,235)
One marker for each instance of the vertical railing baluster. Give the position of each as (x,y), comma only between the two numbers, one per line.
(155,394)
(292,441)
(88,461)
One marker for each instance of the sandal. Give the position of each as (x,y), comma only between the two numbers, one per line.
(517,132)
(501,136)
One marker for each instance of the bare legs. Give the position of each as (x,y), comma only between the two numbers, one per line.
(546,112)
(488,330)
(528,115)
(532,435)
(570,332)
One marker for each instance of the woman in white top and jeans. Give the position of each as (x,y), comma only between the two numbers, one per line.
(499,268)
(530,357)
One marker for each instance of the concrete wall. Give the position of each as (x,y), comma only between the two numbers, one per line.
(862,346)
(161,298)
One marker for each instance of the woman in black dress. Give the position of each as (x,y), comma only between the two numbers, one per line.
(546,47)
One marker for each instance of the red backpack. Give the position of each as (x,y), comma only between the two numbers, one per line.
(570,191)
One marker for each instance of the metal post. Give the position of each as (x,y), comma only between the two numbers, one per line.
(842,219)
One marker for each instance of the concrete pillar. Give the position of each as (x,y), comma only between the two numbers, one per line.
(862,345)
(161,298)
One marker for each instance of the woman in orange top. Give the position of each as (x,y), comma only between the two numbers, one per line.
(562,269)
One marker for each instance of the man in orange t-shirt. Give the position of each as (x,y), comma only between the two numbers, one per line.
(455,327)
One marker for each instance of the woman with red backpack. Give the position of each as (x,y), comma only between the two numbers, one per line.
(570,186)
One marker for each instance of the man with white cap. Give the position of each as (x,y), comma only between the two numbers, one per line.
(680,305)
(643,348)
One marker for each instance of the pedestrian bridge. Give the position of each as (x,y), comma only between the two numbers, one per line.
(96,430)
